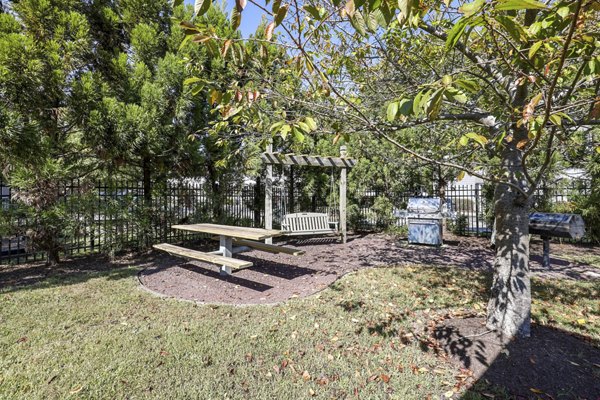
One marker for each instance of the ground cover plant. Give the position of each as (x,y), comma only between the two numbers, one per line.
(86,330)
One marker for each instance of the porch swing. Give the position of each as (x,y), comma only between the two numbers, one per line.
(311,223)
(307,223)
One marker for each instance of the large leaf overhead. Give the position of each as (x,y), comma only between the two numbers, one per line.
(201,7)
(506,5)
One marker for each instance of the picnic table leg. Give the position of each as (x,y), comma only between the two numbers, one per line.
(225,247)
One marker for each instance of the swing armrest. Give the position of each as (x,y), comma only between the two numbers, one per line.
(335,224)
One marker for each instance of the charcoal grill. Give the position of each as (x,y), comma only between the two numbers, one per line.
(425,220)
(549,225)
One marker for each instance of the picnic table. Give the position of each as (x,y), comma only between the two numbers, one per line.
(227,235)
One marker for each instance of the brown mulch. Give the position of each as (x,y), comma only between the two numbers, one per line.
(551,364)
(277,277)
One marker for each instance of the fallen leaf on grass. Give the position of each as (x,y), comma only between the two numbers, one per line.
(538,391)
(22,339)
(306,376)
(311,392)
(385,378)
(323,380)
(449,394)
(76,389)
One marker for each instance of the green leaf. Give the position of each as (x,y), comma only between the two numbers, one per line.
(598,149)
(177,3)
(372,23)
(421,102)
(304,127)
(506,5)
(435,104)
(468,84)
(454,94)
(446,80)
(534,48)
(191,80)
(556,119)
(463,141)
(236,18)
(404,6)
(392,110)
(281,13)
(514,29)
(456,32)
(460,176)
(201,7)
(276,5)
(482,140)
(311,123)
(535,28)
(471,8)
(298,135)
(285,129)
(275,127)
(405,107)
(358,22)
(313,11)
(563,12)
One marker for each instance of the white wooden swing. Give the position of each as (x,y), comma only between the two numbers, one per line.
(308,223)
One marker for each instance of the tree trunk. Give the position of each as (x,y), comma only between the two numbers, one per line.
(509,308)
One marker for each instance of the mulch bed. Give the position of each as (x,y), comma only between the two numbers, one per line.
(551,364)
(277,277)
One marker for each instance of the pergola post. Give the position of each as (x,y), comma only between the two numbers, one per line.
(269,196)
(343,197)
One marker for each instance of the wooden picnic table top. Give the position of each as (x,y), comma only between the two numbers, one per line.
(231,231)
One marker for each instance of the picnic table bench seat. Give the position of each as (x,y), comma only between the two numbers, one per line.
(233,263)
(308,224)
(270,248)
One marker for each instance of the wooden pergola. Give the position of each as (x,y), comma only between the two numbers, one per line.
(342,162)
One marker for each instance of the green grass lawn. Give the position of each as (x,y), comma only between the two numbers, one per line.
(101,336)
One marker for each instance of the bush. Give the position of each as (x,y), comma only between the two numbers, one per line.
(383,209)
(459,225)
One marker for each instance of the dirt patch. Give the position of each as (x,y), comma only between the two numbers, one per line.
(550,364)
(278,277)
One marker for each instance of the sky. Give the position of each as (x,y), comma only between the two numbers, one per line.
(251,16)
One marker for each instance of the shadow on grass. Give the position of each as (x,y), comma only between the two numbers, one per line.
(75,270)
(552,363)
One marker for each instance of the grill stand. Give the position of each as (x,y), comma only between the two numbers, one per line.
(546,255)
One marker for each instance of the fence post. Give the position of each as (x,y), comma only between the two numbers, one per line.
(257,190)
(477,208)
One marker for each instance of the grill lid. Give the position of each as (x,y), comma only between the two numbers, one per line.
(424,205)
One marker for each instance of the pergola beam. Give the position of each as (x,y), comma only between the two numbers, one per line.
(309,161)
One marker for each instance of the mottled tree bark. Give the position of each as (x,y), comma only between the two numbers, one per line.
(509,308)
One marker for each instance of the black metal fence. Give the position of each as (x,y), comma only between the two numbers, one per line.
(110,216)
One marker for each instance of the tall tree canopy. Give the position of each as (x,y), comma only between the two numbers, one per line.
(501,87)
(96,89)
